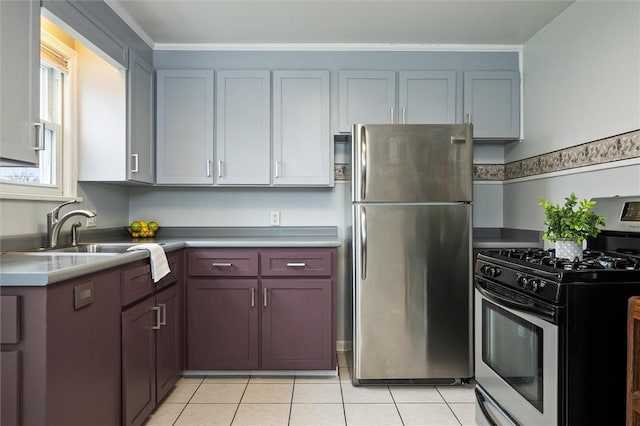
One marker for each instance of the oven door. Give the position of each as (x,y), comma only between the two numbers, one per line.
(516,356)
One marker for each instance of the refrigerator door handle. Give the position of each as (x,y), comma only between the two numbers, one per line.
(363,243)
(363,163)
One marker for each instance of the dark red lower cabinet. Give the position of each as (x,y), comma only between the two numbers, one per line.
(222,324)
(297,331)
(150,353)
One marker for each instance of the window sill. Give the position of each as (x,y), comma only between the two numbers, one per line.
(36,197)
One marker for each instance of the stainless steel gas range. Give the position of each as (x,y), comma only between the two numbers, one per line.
(550,333)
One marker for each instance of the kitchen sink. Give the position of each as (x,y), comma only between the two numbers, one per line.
(83,249)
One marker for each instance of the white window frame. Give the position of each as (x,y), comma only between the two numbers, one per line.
(66,162)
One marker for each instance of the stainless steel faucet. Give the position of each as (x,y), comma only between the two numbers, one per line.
(54,223)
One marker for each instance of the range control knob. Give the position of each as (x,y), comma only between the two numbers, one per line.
(490,271)
(534,284)
(523,281)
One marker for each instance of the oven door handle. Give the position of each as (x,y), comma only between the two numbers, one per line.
(548,315)
(482,403)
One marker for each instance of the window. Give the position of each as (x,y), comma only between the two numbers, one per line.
(50,176)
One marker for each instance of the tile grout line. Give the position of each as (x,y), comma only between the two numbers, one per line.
(395,404)
(235,413)
(293,389)
(190,398)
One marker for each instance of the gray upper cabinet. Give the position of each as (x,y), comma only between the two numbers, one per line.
(492,98)
(19,105)
(184,128)
(366,97)
(301,129)
(427,97)
(140,120)
(243,127)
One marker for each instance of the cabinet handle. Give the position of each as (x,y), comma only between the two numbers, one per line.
(253,297)
(157,324)
(163,318)
(40,136)
(391,115)
(265,292)
(219,168)
(208,168)
(136,164)
(404,116)
(296,264)
(221,264)
(277,169)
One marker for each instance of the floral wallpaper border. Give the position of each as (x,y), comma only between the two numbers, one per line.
(607,150)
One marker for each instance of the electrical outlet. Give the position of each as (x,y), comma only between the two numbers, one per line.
(91,221)
(275,218)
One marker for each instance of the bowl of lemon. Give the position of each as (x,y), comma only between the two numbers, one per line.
(139,229)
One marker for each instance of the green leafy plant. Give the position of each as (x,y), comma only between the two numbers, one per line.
(572,221)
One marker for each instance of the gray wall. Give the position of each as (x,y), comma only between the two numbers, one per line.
(581,83)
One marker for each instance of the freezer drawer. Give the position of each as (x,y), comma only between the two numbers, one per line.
(412,292)
(412,163)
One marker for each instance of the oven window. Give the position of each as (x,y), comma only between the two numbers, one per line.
(512,347)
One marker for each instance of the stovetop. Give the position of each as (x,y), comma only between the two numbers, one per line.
(592,259)
(540,273)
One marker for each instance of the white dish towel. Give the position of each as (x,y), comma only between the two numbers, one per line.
(159,263)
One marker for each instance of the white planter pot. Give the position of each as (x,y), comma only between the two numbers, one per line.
(568,249)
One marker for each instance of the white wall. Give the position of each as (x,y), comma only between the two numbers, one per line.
(581,82)
(581,77)
(521,209)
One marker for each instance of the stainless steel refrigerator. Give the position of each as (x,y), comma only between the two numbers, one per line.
(411,253)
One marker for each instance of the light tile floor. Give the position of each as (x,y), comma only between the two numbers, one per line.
(317,401)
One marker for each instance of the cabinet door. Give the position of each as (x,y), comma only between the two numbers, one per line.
(19,80)
(222,324)
(367,97)
(427,97)
(167,341)
(493,100)
(138,362)
(297,324)
(243,127)
(301,133)
(83,351)
(184,127)
(140,121)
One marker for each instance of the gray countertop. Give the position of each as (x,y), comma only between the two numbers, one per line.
(41,269)
(492,238)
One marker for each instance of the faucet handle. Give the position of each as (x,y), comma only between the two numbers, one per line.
(56,210)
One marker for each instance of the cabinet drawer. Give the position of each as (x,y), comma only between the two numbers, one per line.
(222,263)
(296,263)
(136,283)
(10,317)
(175,265)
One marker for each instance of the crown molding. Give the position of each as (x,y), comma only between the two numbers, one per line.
(339,47)
(132,23)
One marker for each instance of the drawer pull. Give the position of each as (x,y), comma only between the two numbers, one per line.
(222,264)
(157,310)
(296,264)
(265,292)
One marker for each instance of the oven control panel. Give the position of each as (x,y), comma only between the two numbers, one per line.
(515,277)
(530,283)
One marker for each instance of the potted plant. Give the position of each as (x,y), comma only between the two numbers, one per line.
(570,224)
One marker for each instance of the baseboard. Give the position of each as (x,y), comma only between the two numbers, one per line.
(343,345)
